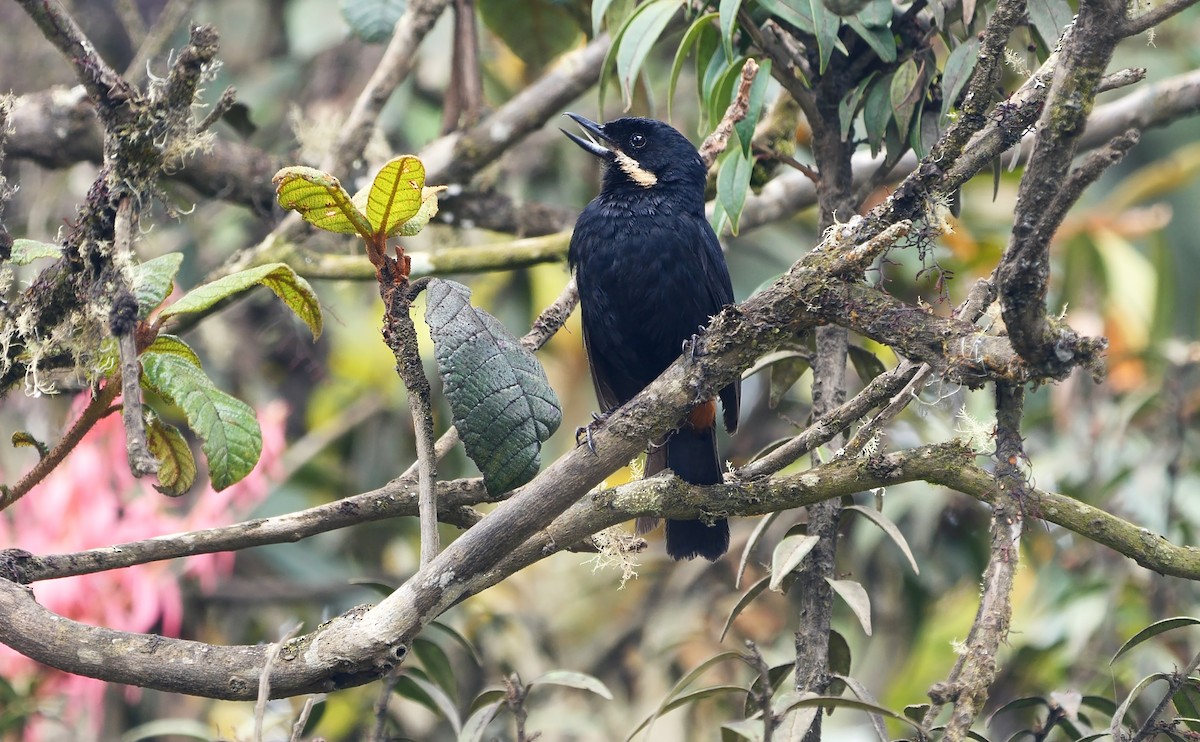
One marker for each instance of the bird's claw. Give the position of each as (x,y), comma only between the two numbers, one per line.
(691,346)
(585,431)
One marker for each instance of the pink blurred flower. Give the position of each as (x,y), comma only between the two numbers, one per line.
(92,500)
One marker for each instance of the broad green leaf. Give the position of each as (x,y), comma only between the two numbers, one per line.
(959,66)
(640,34)
(537,31)
(1049,17)
(877,112)
(733,180)
(839,653)
(394,196)
(879,38)
(1153,630)
(916,711)
(26,251)
(176,346)
(176,465)
(1187,703)
(229,433)
(830,702)
(486,696)
(877,14)
(320,200)
(152,281)
(887,526)
(724,90)
(437,665)
(856,597)
(866,364)
(728,11)
(476,724)
(291,288)
(848,108)
(903,94)
(755,101)
(796,12)
(690,39)
(372,20)
(747,597)
(1018,704)
(501,401)
(788,554)
(570,679)
(599,9)
(826,30)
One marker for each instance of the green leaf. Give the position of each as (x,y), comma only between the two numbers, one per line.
(751,729)
(856,597)
(690,38)
(877,14)
(639,35)
(796,12)
(1049,17)
(599,10)
(887,526)
(372,20)
(903,93)
(25,439)
(763,524)
(788,554)
(755,101)
(863,694)
(152,281)
(458,638)
(959,66)
(683,682)
(295,292)
(866,364)
(502,403)
(848,108)
(879,38)
(748,597)
(394,196)
(570,679)
(537,31)
(877,112)
(320,200)
(723,91)
(839,653)
(733,180)
(229,433)
(1153,630)
(176,346)
(437,665)
(441,703)
(476,724)
(176,465)
(692,697)
(1118,718)
(826,30)
(728,12)
(26,251)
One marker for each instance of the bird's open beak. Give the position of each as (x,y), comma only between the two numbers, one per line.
(596,138)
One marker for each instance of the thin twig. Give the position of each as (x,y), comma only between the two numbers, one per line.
(302,719)
(141,461)
(1149,729)
(264,680)
(387,684)
(718,140)
(169,18)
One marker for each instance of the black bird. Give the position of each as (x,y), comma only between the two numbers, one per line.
(651,274)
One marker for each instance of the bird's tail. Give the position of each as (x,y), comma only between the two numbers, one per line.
(692,455)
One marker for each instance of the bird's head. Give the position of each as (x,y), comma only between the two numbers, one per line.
(641,153)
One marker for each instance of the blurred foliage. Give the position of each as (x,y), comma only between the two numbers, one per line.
(1121,268)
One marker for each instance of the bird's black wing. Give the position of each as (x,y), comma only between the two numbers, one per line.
(719,289)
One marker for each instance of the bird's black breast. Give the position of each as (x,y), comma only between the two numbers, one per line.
(650,276)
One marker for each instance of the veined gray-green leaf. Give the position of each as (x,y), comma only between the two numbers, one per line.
(26,251)
(1049,17)
(902,94)
(372,20)
(827,25)
(729,11)
(176,465)
(502,403)
(291,288)
(152,281)
(229,432)
(176,346)
(959,66)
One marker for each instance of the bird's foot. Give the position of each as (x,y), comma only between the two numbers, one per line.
(585,431)
(691,346)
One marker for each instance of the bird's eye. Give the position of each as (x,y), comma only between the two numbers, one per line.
(637,141)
